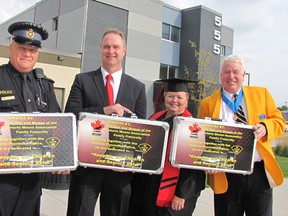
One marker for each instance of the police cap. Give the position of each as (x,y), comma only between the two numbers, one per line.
(28,33)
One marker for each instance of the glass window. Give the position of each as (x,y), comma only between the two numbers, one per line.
(163,71)
(172,72)
(168,71)
(55,24)
(165,31)
(175,34)
(228,51)
(222,51)
(170,32)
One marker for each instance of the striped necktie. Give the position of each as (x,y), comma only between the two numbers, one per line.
(239,116)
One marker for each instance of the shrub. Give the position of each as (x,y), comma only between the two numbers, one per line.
(281,145)
(281,150)
(276,149)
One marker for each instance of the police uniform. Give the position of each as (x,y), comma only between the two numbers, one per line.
(11,99)
(20,193)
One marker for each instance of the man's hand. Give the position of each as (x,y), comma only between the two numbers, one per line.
(212,171)
(260,131)
(61,172)
(117,109)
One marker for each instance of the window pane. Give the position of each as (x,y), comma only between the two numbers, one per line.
(163,71)
(175,34)
(228,51)
(222,50)
(173,72)
(55,24)
(165,31)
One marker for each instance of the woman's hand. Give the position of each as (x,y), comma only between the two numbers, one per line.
(177,203)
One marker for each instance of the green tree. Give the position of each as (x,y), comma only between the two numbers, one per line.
(205,79)
(282,108)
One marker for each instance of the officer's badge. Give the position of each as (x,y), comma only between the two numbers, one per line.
(30,33)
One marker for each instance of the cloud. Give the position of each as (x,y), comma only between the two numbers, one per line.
(13,7)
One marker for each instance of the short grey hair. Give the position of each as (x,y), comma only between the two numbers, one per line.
(115,31)
(233,58)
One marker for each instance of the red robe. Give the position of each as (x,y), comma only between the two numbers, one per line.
(170,174)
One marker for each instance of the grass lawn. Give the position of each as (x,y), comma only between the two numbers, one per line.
(282,141)
(283,162)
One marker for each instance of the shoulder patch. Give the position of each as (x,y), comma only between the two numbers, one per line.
(49,79)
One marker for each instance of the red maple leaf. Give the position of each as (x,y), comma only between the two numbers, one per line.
(195,128)
(2,123)
(97,125)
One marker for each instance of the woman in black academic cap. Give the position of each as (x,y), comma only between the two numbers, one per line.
(175,191)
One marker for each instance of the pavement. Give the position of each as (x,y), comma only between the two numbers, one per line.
(54,202)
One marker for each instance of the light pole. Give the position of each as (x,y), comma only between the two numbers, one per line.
(248,81)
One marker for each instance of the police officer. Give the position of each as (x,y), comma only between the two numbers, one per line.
(20,193)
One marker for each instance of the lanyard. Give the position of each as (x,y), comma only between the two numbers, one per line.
(233,106)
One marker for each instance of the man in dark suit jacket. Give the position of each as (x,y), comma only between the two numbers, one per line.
(88,94)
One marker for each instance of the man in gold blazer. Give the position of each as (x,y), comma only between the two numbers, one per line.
(235,194)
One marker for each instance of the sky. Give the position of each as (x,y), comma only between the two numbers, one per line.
(260,28)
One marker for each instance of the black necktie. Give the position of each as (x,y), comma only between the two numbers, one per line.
(27,95)
(239,116)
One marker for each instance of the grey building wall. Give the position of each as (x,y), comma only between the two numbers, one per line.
(227,39)
(99,17)
(82,22)
(144,43)
(198,25)
(204,27)
(70,13)
(170,51)
(191,25)
(141,22)
(144,39)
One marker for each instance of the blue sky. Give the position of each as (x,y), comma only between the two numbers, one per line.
(260,28)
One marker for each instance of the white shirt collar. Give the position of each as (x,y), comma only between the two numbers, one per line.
(115,82)
(229,95)
(116,76)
